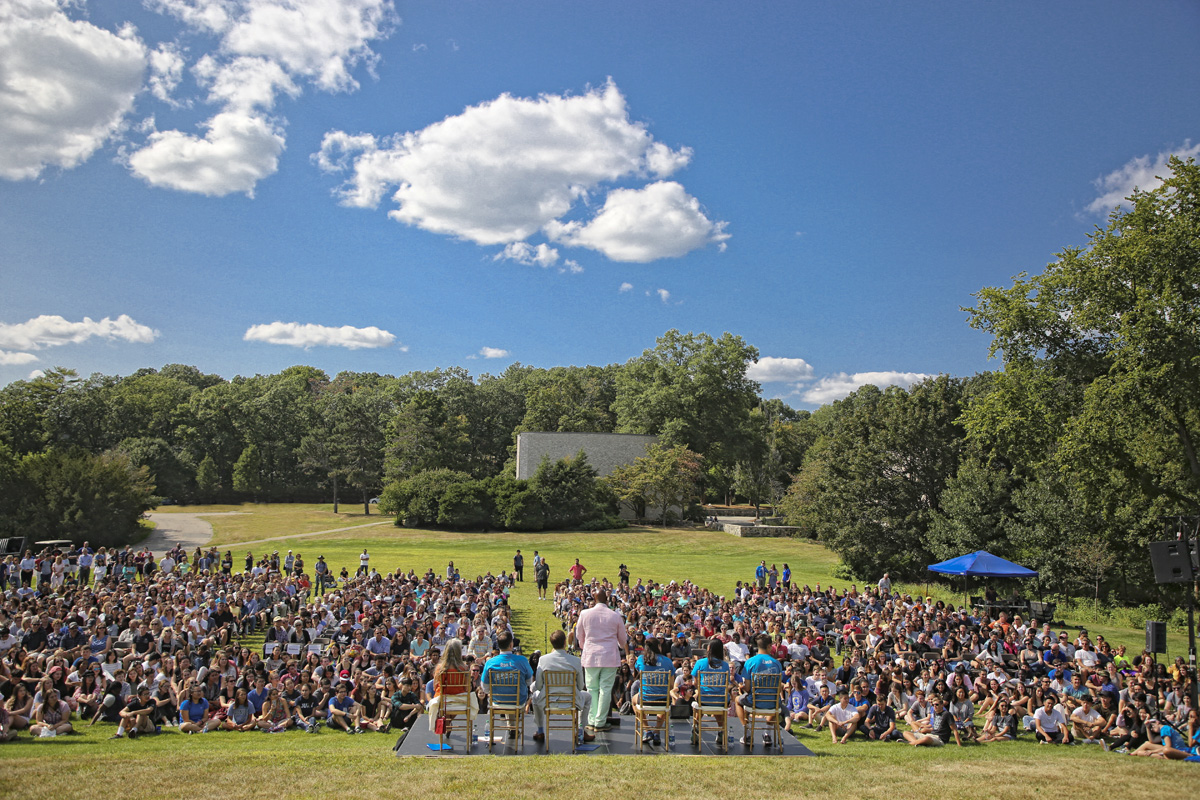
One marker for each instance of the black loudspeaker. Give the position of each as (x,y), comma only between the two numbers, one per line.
(1172,563)
(1156,636)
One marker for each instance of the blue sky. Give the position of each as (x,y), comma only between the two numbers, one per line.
(408,185)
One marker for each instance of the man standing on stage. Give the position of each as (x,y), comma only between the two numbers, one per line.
(600,634)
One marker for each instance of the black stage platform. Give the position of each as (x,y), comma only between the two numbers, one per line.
(616,742)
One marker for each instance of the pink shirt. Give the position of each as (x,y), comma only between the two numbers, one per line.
(600,633)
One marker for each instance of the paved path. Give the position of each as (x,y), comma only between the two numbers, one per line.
(173,529)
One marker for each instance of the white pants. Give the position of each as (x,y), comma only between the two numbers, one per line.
(583,701)
(432,709)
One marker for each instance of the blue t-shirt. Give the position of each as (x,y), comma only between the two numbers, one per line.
(798,700)
(1176,739)
(257,698)
(510,661)
(762,664)
(708,694)
(193,710)
(654,694)
(343,705)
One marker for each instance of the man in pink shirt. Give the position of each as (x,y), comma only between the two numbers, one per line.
(600,633)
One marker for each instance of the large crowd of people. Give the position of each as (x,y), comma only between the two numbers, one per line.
(884,666)
(145,643)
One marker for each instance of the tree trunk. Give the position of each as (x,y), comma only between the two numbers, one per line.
(335,493)
(366,503)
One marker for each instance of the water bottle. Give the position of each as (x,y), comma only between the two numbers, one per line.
(671,739)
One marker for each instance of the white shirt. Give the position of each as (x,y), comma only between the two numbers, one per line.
(1051,721)
(841,714)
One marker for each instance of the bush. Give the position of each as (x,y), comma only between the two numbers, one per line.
(417,501)
(466,506)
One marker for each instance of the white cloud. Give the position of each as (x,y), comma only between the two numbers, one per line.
(53,331)
(524,253)
(420,47)
(625,287)
(1138,173)
(237,152)
(663,294)
(773,369)
(572,267)
(501,171)
(295,334)
(493,352)
(841,384)
(658,221)
(37,373)
(166,70)
(266,47)
(9,359)
(65,86)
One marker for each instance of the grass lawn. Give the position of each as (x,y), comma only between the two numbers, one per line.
(251,521)
(256,765)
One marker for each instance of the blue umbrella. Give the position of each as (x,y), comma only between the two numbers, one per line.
(984,564)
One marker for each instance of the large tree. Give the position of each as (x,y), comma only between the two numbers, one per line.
(1102,354)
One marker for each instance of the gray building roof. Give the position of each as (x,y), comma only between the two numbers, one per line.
(605,451)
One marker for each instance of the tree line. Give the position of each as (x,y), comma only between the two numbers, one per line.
(1068,458)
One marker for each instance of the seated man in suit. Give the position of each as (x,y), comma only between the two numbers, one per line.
(559,659)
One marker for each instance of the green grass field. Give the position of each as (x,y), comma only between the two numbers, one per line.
(257,765)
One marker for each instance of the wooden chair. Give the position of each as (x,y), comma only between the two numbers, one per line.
(764,707)
(562,708)
(712,700)
(656,686)
(506,712)
(455,701)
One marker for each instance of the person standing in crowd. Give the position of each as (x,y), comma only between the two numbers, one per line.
(600,634)
(541,573)
(519,566)
(577,571)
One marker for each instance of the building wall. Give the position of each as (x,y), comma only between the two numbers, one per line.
(605,451)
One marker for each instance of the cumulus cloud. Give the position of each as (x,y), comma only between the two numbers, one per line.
(53,331)
(663,295)
(625,287)
(493,352)
(524,253)
(65,86)
(237,152)
(773,369)
(572,267)
(9,359)
(501,171)
(306,335)
(37,373)
(841,384)
(657,221)
(166,70)
(1139,173)
(266,48)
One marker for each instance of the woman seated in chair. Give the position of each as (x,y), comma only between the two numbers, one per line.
(451,664)
(710,694)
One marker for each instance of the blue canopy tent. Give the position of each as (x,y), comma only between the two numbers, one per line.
(983,564)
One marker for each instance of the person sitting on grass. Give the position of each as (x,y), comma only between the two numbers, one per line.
(798,701)
(306,708)
(7,734)
(842,719)
(1174,744)
(276,716)
(941,728)
(819,706)
(880,723)
(343,711)
(1087,724)
(239,713)
(194,712)
(963,711)
(1049,724)
(52,717)
(138,715)
(1001,723)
